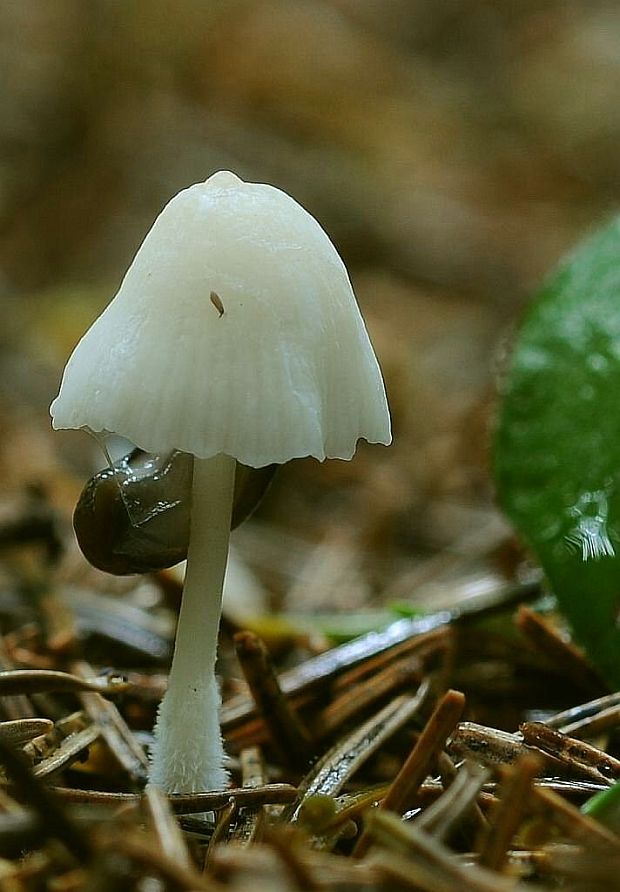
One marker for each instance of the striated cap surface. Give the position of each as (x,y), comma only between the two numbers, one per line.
(235,330)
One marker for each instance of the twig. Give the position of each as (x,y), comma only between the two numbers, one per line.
(563,655)
(67,752)
(343,760)
(287,733)
(458,803)
(53,817)
(417,765)
(509,811)
(573,753)
(189,803)
(494,748)
(583,829)
(22,731)
(253,774)
(224,819)
(340,659)
(37,681)
(169,836)
(282,840)
(120,740)
(427,862)
(366,694)
(420,646)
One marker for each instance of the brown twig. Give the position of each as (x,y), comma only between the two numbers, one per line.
(253,774)
(575,754)
(421,647)
(36,681)
(220,833)
(166,828)
(458,804)
(509,811)
(120,740)
(189,803)
(327,666)
(355,699)
(417,765)
(287,733)
(584,830)
(21,731)
(345,757)
(53,817)
(283,841)
(563,655)
(420,858)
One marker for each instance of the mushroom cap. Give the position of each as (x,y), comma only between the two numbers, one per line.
(236,331)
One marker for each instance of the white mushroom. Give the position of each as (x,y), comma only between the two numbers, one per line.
(235,336)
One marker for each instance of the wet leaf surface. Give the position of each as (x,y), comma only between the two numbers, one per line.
(557,455)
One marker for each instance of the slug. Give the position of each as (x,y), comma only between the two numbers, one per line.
(134,517)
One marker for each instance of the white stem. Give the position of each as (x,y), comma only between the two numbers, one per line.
(188,754)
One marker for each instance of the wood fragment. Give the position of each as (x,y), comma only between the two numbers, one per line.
(287,733)
(41,799)
(36,681)
(45,745)
(332,771)
(326,666)
(17,706)
(22,731)
(225,817)
(428,862)
(420,760)
(70,750)
(365,694)
(494,748)
(169,837)
(563,655)
(253,774)
(457,805)
(114,730)
(488,746)
(575,754)
(507,815)
(583,829)
(188,803)
(420,647)
(152,860)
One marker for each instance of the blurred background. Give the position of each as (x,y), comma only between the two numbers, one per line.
(452,150)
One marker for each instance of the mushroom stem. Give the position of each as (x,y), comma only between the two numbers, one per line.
(188,754)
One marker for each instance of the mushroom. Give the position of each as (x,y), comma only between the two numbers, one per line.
(235,337)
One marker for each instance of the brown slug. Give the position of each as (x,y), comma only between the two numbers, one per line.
(134,517)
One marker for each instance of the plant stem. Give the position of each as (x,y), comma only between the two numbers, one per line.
(188,753)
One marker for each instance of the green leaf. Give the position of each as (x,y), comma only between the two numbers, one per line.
(557,445)
(605,807)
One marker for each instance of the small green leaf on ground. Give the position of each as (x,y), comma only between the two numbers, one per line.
(557,446)
(605,807)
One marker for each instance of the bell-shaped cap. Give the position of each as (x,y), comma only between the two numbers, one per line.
(235,330)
